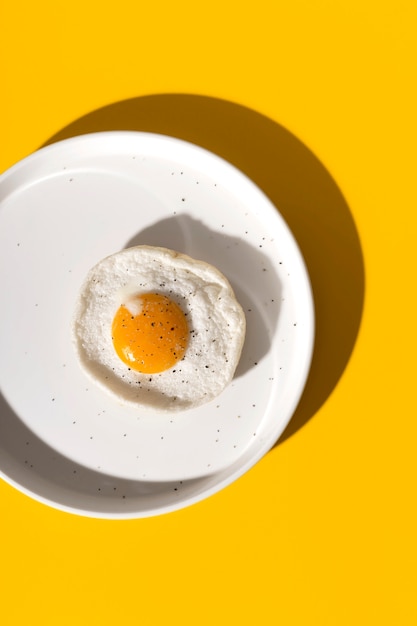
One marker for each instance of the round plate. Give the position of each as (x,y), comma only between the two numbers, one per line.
(63,440)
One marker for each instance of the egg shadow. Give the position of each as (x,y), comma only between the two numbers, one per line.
(301,188)
(229,254)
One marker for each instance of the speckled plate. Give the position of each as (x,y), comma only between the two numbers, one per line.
(63,440)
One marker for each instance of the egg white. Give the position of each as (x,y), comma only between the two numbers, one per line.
(216,323)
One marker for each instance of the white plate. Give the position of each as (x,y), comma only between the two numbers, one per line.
(62,209)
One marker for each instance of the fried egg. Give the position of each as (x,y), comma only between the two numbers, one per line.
(158,329)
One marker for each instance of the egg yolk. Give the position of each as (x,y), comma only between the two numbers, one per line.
(150,333)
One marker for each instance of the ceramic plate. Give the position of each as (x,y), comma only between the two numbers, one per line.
(63,440)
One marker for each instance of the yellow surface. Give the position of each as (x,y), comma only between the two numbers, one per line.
(323,530)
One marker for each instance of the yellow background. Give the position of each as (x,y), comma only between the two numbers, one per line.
(323,529)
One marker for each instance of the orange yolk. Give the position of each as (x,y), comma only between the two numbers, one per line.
(153,337)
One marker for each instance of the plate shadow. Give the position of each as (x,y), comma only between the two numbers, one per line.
(301,188)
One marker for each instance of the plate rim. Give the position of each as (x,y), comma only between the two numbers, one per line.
(308,349)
